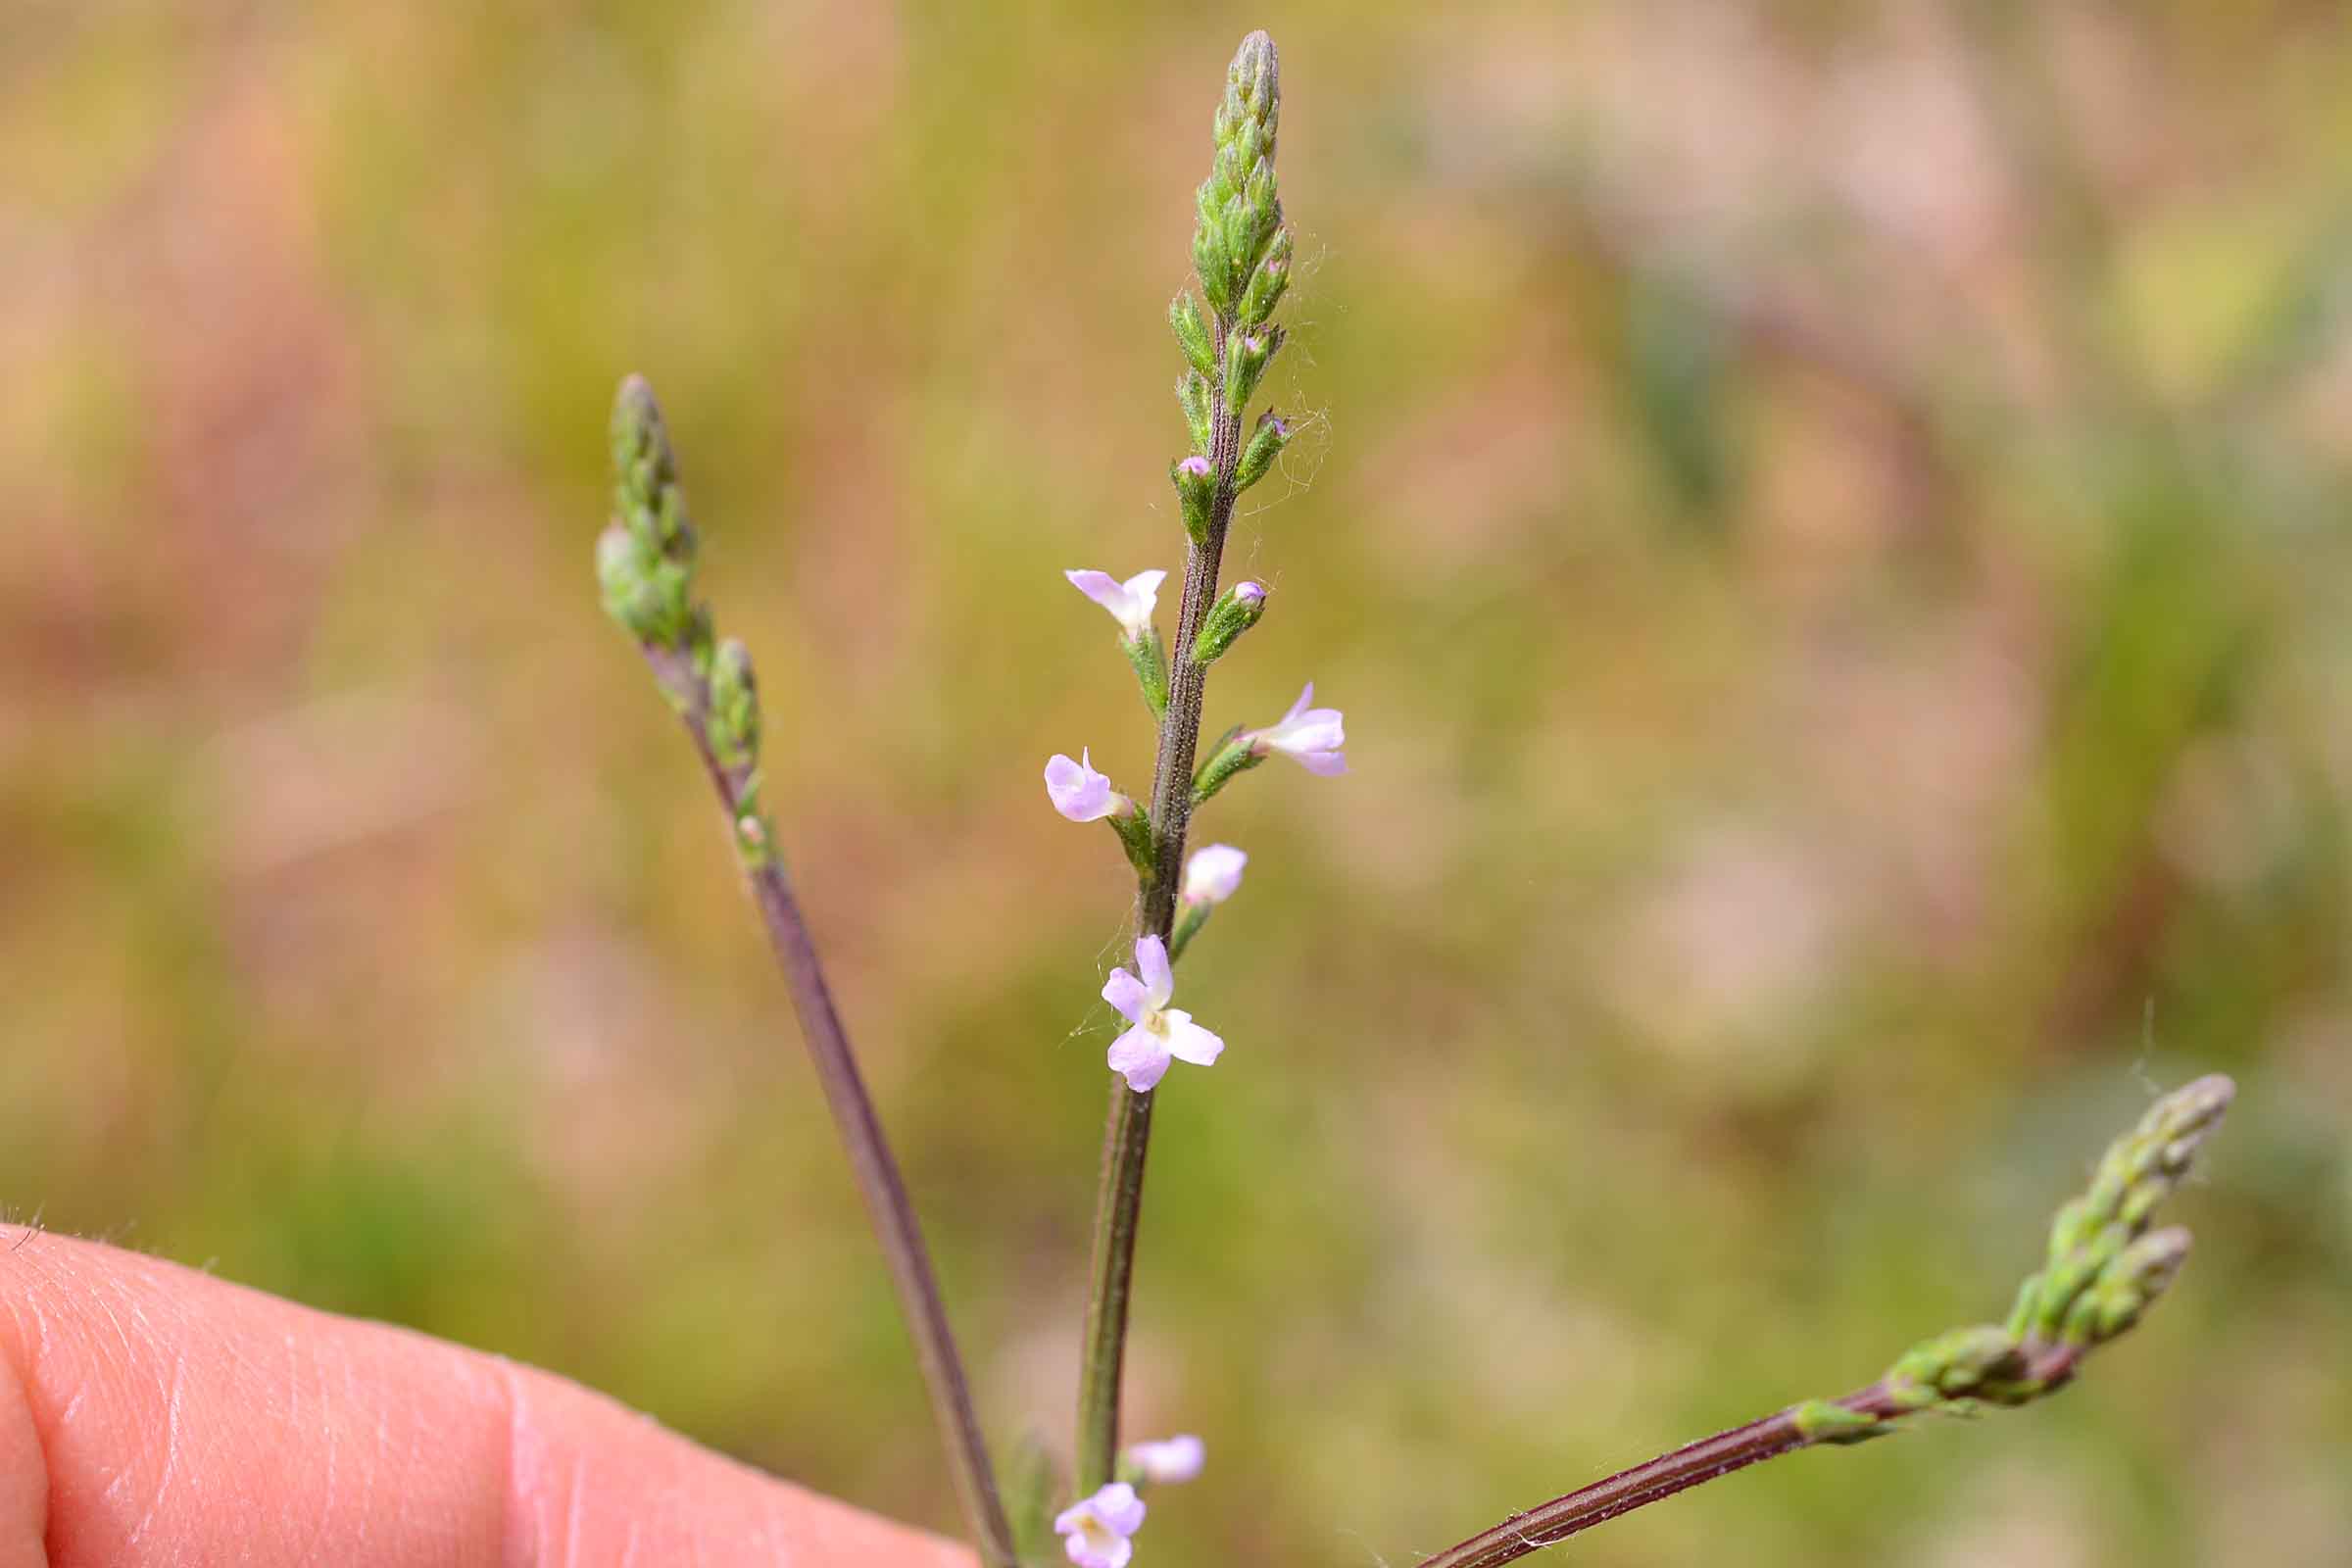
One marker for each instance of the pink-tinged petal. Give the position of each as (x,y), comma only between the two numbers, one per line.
(1143,589)
(1126,993)
(1189,1042)
(1213,874)
(1077,791)
(1117,1506)
(1102,587)
(1151,957)
(1171,1461)
(1300,706)
(1141,1057)
(1325,764)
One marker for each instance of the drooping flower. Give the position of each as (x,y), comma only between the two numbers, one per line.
(1156,1033)
(1213,874)
(1130,603)
(1311,737)
(1080,794)
(1170,1460)
(1095,1530)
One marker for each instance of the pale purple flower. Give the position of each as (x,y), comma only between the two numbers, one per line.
(1311,737)
(1195,466)
(1251,592)
(1098,1528)
(1080,794)
(1156,1033)
(1169,1460)
(1213,874)
(1130,603)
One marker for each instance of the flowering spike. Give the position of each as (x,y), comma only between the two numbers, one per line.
(1098,1530)
(1239,206)
(1156,1033)
(1236,609)
(645,558)
(2094,1231)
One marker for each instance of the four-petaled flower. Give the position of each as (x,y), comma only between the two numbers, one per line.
(1080,794)
(1156,1033)
(1169,1460)
(1097,1527)
(1311,737)
(1213,874)
(1130,603)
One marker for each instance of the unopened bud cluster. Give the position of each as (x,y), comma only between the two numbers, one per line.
(1242,257)
(645,563)
(2105,1268)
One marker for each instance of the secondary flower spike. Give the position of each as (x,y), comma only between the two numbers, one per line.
(1130,603)
(1097,1528)
(1080,794)
(1311,737)
(1156,1034)
(1213,874)
(1170,1460)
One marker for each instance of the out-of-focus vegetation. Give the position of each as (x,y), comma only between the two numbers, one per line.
(1828,523)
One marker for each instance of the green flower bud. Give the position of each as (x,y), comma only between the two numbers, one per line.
(1825,1421)
(1235,611)
(1246,356)
(1134,830)
(1211,267)
(734,716)
(1265,445)
(1195,489)
(1192,333)
(1267,283)
(1254,89)
(1227,758)
(1191,395)
(2127,1285)
(1149,656)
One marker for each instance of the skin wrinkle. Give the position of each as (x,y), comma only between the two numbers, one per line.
(171,1440)
(515,1516)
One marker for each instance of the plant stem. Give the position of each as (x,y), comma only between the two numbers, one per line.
(1691,1466)
(870,1160)
(1127,1135)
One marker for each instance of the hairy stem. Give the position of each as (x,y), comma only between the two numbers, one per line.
(871,1162)
(1127,1135)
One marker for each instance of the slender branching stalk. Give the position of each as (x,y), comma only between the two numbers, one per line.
(2104,1268)
(2104,1264)
(644,560)
(1241,254)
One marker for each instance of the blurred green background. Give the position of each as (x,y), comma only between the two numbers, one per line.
(1827,524)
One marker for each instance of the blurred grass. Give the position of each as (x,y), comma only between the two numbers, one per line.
(1828,524)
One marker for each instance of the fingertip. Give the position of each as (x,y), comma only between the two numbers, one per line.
(150,1414)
